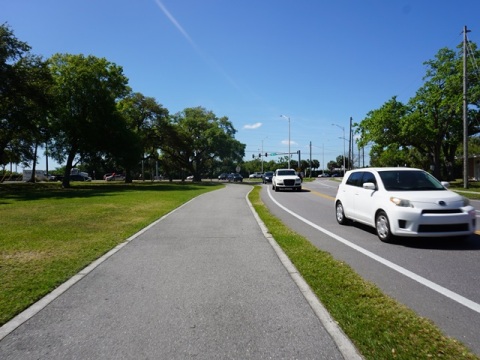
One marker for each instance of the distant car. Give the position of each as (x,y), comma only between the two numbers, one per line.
(190,177)
(256,175)
(286,179)
(223,176)
(115,177)
(403,202)
(235,177)
(323,175)
(267,177)
(79,178)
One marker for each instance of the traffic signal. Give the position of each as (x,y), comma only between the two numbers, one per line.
(253,156)
(259,156)
(266,154)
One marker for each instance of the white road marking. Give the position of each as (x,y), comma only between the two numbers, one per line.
(430,284)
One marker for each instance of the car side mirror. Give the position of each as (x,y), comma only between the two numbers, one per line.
(369,186)
(446,184)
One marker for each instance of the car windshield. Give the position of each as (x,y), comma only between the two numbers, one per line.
(412,180)
(286,172)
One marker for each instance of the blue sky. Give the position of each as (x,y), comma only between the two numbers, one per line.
(318,62)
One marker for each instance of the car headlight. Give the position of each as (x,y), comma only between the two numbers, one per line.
(401,202)
(466,201)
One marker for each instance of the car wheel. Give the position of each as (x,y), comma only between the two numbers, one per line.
(276,188)
(382,225)
(340,214)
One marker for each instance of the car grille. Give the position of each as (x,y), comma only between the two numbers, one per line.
(442,211)
(289,182)
(443,228)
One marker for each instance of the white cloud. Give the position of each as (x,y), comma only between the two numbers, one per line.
(252,126)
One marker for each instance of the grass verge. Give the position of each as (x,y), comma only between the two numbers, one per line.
(379,326)
(48,234)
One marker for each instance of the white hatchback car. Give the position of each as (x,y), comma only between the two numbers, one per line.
(403,202)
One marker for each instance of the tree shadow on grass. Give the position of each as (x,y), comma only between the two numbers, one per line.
(28,191)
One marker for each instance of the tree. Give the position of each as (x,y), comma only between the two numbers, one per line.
(427,131)
(85,119)
(383,128)
(146,118)
(195,139)
(24,100)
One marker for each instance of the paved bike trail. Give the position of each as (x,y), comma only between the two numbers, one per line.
(203,282)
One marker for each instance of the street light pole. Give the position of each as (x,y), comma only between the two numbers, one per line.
(343,129)
(288,118)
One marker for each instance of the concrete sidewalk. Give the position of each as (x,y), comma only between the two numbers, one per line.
(203,282)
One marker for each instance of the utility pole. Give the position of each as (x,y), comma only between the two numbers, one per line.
(465,106)
(310,159)
(350,147)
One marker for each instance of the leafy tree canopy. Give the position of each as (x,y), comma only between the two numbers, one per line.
(427,130)
(86,120)
(195,139)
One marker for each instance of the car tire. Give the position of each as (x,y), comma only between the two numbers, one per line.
(382,226)
(275,188)
(340,214)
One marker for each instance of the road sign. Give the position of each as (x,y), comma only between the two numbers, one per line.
(273,154)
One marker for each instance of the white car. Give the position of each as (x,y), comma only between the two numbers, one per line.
(286,179)
(256,175)
(403,202)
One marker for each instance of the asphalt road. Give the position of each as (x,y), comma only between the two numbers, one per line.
(437,278)
(203,282)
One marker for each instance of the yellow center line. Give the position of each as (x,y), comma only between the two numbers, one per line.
(320,194)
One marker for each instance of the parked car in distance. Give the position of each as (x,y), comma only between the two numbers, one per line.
(223,176)
(190,177)
(78,177)
(235,177)
(115,177)
(267,177)
(323,175)
(403,202)
(286,179)
(256,175)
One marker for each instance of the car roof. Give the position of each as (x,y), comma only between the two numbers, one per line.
(391,168)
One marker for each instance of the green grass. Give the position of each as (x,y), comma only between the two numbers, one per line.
(380,327)
(48,233)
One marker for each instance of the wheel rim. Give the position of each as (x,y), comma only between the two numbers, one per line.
(339,212)
(382,227)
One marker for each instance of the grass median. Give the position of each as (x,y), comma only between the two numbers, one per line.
(379,326)
(48,233)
